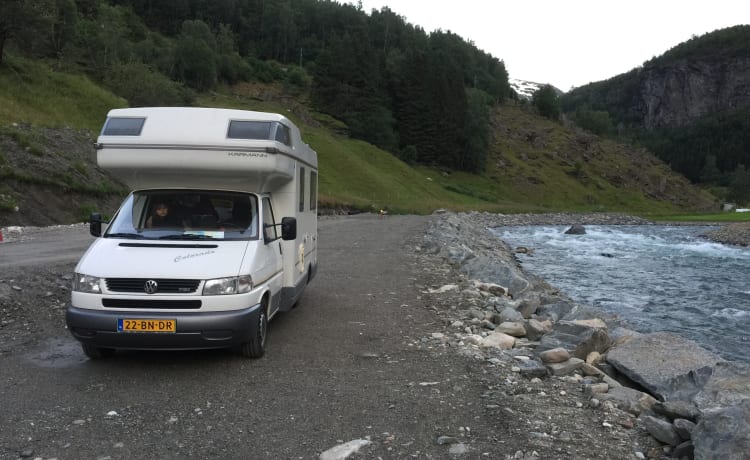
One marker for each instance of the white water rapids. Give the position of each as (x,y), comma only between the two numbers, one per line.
(658,278)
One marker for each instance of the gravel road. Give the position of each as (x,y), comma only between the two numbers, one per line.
(353,361)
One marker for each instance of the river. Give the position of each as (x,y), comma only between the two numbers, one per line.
(657,278)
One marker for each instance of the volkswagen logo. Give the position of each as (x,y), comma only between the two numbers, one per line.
(151,286)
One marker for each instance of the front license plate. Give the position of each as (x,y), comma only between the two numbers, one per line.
(146,325)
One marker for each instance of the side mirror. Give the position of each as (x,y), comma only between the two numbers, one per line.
(288,228)
(95,224)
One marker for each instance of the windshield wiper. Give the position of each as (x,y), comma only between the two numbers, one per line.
(124,235)
(187,236)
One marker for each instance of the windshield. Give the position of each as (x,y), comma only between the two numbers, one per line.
(186,215)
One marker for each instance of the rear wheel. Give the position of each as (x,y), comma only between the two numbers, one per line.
(94,352)
(256,346)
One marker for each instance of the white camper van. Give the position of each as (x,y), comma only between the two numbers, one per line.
(218,235)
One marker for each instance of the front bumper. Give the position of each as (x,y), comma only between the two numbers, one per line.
(194,330)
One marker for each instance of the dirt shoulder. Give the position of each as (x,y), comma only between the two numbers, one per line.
(358,359)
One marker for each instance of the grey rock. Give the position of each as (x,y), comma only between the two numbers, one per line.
(677,409)
(724,433)
(441,440)
(515,329)
(661,430)
(591,371)
(529,306)
(459,255)
(26,453)
(628,399)
(610,381)
(344,451)
(555,311)
(565,368)
(488,325)
(578,339)
(728,384)
(595,389)
(490,268)
(458,449)
(620,335)
(684,428)
(576,229)
(684,451)
(532,368)
(534,329)
(554,355)
(666,365)
(508,315)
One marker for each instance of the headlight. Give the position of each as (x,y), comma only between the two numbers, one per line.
(227,286)
(86,283)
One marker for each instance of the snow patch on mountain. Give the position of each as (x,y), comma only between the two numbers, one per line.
(525,89)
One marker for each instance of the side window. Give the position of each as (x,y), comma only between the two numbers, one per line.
(301,189)
(313,190)
(269,224)
(282,134)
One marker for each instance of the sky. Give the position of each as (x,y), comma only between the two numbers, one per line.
(574,42)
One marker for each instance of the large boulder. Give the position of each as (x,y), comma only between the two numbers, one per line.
(486,267)
(666,365)
(576,229)
(556,310)
(728,384)
(723,434)
(579,337)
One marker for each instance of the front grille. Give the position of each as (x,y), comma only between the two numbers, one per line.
(152,303)
(165,286)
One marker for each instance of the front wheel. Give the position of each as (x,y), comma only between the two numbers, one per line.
(256,346)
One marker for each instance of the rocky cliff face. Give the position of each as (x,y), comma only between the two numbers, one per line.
(679,94)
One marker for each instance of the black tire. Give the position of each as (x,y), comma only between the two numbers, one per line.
(256,347)
(94,352)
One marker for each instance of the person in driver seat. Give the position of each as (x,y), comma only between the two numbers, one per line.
(159,217)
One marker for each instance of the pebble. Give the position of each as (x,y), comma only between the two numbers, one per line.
(458,449)
(441,440)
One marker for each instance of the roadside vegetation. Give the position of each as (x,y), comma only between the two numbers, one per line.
(533,164)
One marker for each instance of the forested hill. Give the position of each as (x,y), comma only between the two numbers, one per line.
(414,93)
(691,106)
(367,89)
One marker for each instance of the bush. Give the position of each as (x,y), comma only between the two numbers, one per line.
(142,86)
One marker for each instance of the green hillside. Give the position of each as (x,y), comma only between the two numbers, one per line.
(534,164)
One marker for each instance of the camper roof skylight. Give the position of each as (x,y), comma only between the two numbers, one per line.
(123,126)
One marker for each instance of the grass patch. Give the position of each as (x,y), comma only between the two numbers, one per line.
(25,140)
(30,92)
(7,202)
(714,217)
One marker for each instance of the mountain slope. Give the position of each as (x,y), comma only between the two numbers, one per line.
(557,167)
(668,102)
(534,164)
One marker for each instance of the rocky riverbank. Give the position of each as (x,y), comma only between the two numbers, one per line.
(660,384)
(737,234)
